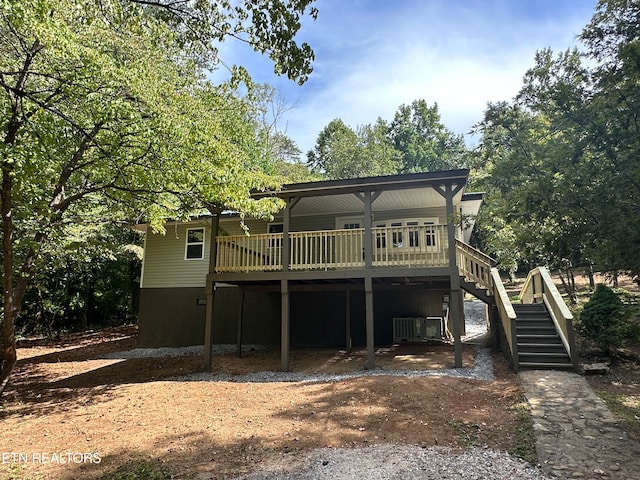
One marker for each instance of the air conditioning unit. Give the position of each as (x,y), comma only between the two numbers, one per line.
(417,329)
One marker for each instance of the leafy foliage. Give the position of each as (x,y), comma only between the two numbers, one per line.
(560,161)
(424,143)
(107,117)
(416,141)
(602,319)
(89,277)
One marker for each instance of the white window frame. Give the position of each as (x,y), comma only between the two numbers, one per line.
(188,243)
(381,240)
(275,243)
(341,221)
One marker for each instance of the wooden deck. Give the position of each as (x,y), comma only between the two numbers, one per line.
(334,249)
(328,250)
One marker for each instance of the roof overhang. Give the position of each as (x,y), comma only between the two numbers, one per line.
(371,184)
(392,192)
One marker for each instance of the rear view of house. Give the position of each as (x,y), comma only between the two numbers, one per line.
(349,262)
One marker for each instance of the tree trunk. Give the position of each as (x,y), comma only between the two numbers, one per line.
(565,283)
(573,296)
(8,338)
(592,278)
(134,285)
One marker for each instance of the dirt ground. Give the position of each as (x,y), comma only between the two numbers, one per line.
(139,415)
(63,402)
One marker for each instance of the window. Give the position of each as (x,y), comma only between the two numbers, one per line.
(349,223)
(419,234)
(430,238)
(381,236)
(414,234)
(275,228)
(396,234)
(195,244)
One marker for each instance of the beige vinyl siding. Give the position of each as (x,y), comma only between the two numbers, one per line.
(437,212)
(310,223)
(164,264)
(232,226)
(328,222)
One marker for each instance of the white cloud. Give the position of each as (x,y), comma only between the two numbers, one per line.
(373,56)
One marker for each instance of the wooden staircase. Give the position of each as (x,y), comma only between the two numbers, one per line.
(534,334)
(538,341)
(477,290)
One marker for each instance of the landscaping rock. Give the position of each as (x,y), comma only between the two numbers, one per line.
(595,368)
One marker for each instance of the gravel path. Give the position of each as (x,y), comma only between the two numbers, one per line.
(482,370)
(400,462)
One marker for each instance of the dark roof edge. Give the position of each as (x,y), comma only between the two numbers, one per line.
(366,183)
(471,196)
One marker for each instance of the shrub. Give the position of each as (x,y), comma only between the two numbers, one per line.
(603,320)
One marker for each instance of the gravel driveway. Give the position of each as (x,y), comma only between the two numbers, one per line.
(401,462)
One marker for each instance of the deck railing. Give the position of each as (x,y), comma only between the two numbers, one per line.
(507,316)
(474,265)
(327,249)
(408,246)
(254,253)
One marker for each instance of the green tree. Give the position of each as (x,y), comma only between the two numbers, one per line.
(88,276)
(613,131)
(528,217)
(424,143)
(198,27)
(561,159)
(106,116)
(341,152)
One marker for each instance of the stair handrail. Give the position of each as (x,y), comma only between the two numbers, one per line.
(474,264)
(507,316)
(540,288)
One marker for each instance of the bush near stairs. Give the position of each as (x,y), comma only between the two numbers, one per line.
(604,320)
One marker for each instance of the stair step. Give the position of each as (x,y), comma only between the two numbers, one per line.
(533,339)
(534,317)
(545,366)
(545,355)
(541,347)
(529,307)
(534,322)
(536,331)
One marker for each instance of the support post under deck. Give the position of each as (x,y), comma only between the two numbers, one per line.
(456,317)
(368,297)
(285,327)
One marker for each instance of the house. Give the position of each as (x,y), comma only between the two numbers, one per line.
(343,264)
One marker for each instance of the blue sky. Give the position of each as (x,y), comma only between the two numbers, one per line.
(374,55)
